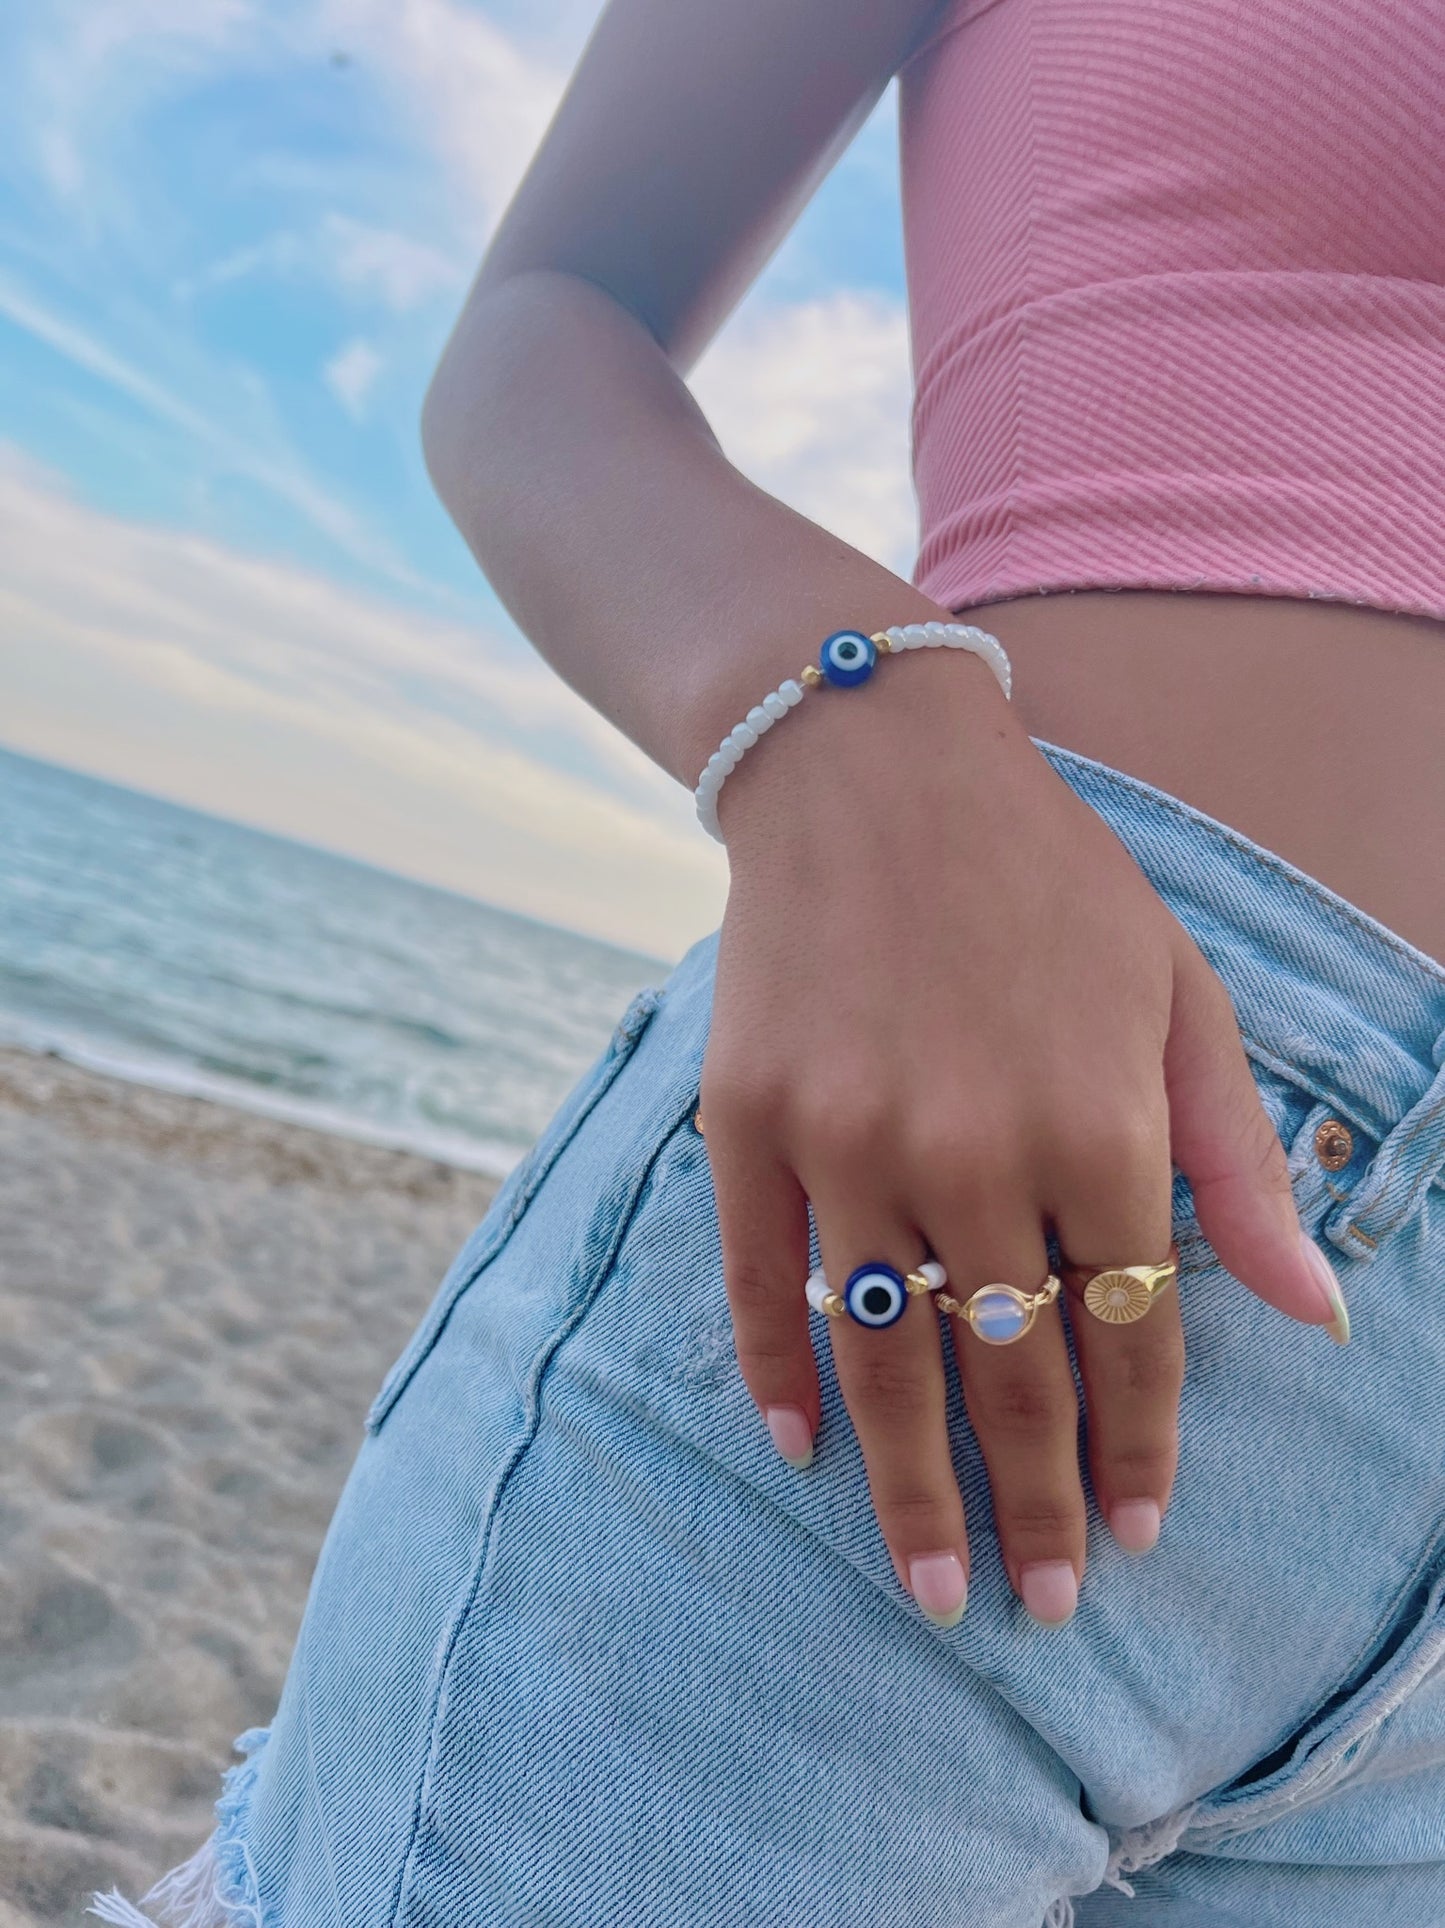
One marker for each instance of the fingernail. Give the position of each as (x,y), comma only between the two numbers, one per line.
(938,1584)
(1135,1525)
(1323,1274)
(1050,1591)
(792,1435)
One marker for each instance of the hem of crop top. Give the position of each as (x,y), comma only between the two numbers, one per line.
(1248,432)
(956,586)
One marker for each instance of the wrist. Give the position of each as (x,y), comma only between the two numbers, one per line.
(928,724)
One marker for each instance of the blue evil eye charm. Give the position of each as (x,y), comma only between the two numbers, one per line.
(875,1295)
(847,657)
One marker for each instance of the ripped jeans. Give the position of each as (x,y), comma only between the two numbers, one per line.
(583,1651)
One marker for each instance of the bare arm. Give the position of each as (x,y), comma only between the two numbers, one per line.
(558,428)
(988,1060)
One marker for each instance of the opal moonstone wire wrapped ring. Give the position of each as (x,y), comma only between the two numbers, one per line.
(877,1295)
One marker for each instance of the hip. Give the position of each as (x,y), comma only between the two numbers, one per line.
(1311,727)
(582,1649)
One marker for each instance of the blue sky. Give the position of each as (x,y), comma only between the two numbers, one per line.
(233,237)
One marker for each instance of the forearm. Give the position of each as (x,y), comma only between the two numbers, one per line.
(659,582)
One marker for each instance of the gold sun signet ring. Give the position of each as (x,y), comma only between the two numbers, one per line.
(1120,1294)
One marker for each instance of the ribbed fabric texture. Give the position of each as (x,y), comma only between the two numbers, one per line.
(1176,276)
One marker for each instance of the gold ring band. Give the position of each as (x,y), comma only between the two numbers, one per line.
(1120,1294)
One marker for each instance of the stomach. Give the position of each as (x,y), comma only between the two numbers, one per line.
(1313,728)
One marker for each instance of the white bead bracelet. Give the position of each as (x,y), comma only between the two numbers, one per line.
(846,659)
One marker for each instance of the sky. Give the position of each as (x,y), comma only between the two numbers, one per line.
(234,235)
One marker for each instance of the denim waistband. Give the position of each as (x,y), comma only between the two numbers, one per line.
(1324,994)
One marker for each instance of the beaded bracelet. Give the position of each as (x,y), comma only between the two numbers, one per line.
(846,658)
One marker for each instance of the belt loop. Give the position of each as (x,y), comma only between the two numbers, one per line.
(1398,1176)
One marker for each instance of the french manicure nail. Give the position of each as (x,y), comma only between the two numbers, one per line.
(1135,1524)
(792,1435)
(937,1582)
(1050,1591)
(1323,1274)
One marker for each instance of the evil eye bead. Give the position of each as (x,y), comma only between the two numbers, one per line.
(847,657)
(875,1295)
(999,1315)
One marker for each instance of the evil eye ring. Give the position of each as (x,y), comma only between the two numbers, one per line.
(847,657)
(875,1295)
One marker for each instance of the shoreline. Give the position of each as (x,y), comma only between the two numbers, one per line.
(174,1079)
(197,1304)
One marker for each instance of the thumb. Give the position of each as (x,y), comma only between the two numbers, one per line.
(1222,1139)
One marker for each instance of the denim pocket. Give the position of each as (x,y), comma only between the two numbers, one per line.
(1337,1742)
(516,1194)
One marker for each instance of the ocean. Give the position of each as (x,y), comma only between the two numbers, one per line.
(179,950)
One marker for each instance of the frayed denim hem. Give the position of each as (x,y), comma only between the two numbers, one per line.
(216,1888)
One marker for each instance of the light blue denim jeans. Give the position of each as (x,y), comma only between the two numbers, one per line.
(581,1650)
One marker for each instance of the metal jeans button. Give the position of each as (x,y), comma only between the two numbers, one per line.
(1334,1145)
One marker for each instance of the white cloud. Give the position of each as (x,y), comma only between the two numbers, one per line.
(278,469)
(475,95)
(100,63)
(351,374)
(272,695)
(811,401)
(399,269)
(359,259)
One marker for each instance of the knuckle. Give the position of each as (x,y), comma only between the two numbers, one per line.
(1045,1518)
(1025,1407)
(1266,1152)
(912,1511)
(879,1381)
(1138,1468)
(959,1159)
(763,1357)
(1152,1374)
(754,1290)
(843,1126)
(1113,1152)
(734,1092)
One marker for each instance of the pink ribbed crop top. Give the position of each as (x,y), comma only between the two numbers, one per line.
(1176,279)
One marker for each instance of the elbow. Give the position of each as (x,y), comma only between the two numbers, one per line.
(439,438)
(482,362)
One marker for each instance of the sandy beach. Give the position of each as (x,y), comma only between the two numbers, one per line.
(196,1306)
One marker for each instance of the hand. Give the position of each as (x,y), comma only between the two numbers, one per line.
(952,1012)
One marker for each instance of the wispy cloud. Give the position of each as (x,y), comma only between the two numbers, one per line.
(276,696)
(351,375)
(476,95)
(400,270)
(277,471)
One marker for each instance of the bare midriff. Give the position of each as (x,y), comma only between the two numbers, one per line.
(1316,729)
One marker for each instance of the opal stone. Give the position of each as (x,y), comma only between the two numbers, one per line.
(997,1317)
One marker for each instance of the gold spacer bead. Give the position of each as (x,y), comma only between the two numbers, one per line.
(833,1305)
(916,1283)
(810,677)
(882,643)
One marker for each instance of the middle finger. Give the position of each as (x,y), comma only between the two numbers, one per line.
(1022,1405)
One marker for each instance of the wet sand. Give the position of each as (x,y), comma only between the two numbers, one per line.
(196,1307)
